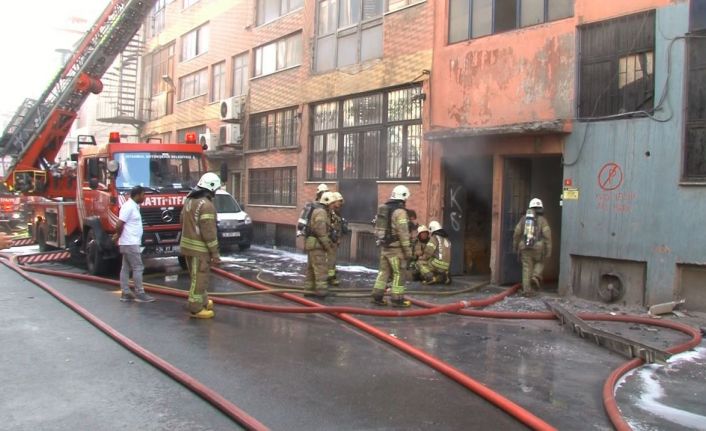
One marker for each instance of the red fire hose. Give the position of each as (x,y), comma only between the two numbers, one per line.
(212,397)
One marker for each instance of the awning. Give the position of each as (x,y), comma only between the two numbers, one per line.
(530,128)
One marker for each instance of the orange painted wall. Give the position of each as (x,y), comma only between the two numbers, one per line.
(519,76)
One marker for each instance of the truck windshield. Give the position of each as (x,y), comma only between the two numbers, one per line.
(158,171)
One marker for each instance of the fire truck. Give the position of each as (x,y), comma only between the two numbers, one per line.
(79,199)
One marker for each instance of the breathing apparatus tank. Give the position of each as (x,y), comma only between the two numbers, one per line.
(530,232)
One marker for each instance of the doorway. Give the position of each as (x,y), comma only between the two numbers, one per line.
(468,213)
(525,178)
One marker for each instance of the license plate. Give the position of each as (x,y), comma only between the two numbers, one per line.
(167,249)
(231,234)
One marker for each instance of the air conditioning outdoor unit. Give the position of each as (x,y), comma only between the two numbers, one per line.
(232,109)
(209,140)
(230,135)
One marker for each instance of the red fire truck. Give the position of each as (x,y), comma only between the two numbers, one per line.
(82,197)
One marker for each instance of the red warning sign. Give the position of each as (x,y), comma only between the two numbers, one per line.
(610,177)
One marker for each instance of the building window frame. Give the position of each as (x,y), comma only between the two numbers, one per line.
(218,82)
(266,13)
(356,30)
(156,22)
(286,52)
(395,5)
(273,186)
(694,143)
(470,19)
(241,74)
(274,130)
(616,67)
(376,136)
(155,89)
(188,3)
(193,85)
(195,42)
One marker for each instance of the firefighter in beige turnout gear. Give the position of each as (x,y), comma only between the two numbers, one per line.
(434,263)
(395,253)
(318,245)
(533,241)
(336,233)
(199,242)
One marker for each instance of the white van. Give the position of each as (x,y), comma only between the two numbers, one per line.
(234,224)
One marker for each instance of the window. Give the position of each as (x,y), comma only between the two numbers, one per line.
(155,87)
(617,66)
(269,10)
(274,130)
(277,186)
(194,43)
(218,81)
(399,4)
(695,140)
(181,133)
(188,3)
(240,74)
(375,136)
(278,55)
(474,18)
(194,84)
(156,21)
(348,32)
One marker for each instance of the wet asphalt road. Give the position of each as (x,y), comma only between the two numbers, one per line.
(315,372)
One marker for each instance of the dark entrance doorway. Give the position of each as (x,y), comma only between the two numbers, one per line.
(467,213)
(524,179)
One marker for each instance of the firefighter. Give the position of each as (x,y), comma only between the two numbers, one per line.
(533,241)
(434,263)
(336,233)
(199,242)
(318,246)
(418,245)
(395,250)
(320,190)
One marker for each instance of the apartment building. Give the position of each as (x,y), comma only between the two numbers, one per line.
(594,106)
(289,94)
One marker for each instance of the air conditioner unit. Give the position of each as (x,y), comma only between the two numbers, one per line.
(232,108)
(209,140)
(230,135)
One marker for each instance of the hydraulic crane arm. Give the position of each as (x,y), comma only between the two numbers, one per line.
(36,134)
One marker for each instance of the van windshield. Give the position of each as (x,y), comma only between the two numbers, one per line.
(226,204)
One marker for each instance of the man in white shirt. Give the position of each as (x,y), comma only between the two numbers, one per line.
(128,234)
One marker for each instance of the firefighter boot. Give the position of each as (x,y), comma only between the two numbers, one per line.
(447,278)
(535,282)
(203,314)
(429,278)
(333,280)
(398,301)
(209,305)
(379,298)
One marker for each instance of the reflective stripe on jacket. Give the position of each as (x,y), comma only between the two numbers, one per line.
(199,235)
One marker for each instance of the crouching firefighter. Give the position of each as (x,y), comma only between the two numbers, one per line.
(392,235)
(434,263)
(418,246)
(533,241)
(318,245)
(199,242)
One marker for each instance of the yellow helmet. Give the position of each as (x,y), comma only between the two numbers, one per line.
(434,226)
(326,198)
(337,197)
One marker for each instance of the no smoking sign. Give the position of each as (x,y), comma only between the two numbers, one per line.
(610,177)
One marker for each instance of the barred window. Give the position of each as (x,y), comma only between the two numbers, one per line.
(273,186)
(617,66)
(377,136)
(278,129)
(695,139)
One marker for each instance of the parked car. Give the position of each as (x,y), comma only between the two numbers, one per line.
(234,224)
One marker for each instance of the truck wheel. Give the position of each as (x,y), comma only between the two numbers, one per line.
(94,261)
(42,238)
(182,262)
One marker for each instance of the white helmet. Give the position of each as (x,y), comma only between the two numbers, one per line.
(421,229)
(337,197)
(536,203)
(326,198)
(434,226)
(322,188)
(210,181)
(400,192)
